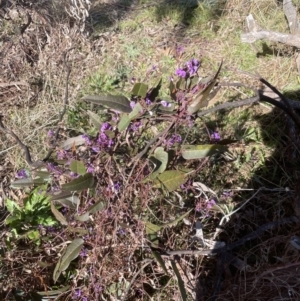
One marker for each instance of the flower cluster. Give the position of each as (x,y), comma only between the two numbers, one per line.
(205,206)
(103,141)
(175,138)
(190,69)
(215,137)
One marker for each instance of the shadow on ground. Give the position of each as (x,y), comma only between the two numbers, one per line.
(265,266)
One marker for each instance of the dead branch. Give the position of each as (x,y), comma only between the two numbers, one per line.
(256,34)
(291,15)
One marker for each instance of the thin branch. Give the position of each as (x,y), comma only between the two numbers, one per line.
(21,144)
(66,102)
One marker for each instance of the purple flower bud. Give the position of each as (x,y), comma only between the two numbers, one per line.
(21,174)
(132,104)
(105,127)
(165,104)
(210,204)
(215,136)
(50,134)
(180,72)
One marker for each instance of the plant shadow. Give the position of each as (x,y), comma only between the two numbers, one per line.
(264,208)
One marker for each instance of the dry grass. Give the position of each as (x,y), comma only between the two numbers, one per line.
(138,39)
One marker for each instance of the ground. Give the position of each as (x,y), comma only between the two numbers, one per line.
(120,226)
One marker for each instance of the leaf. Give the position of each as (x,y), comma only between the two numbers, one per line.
(180,281)
(11,206)
(140,89)
(124,122)
(190,152)
(21,183)
(135,111)
(81,183)
(162,157)
(71,252)
(178,219)
(116,102)
(202,187)
(166,110)
(95,119)
(159,259)
(127,118)
(151,228)
(71,202)
(155,91)
(77,167)
(43,175)
(171,179)
(79,140)
(98,206)
(200,100)
(55,292)
(58,215)
(83,218)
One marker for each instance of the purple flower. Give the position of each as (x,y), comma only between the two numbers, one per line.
(87,139)
(210,204)
(193,66)
(61,154)
(180,72)
(133,80)
(22,174)
(50,134)
(179,50)
(172,140)
(83,252)
(90,168)
(165,104)
(132,104)
(148,101)
(215,136)
(105,127)
(121,232)
(135,126)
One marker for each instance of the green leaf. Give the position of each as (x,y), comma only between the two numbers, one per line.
(98,206)
(95,119)
(124,122)
(140,89)
(77,167)
(180,281)
(151,228)
(160,159)
(136,111)
(155,91)
(127,118)
(83,218)
(55,292)
(178,219)
(71,252)
(58,215)
(159,259)
(81,183)
(116,102)
(79,140)
(71,202)
(201,99)
(171,179)
(21,183)
(190,152)
(12,206)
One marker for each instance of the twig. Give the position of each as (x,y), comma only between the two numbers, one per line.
(21,144)
(66,101)
(251,236)
(147,262)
